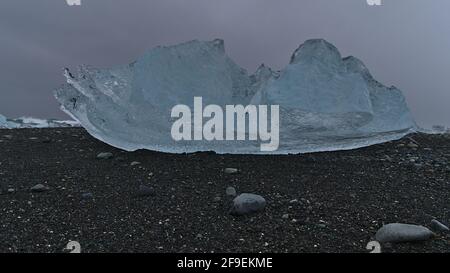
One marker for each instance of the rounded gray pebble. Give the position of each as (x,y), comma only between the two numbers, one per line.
(247,203)
(439,227)
(231,191)
(231,170)
(397,233)
(39,188)
(104,155)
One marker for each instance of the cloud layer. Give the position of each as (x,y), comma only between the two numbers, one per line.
(404,42)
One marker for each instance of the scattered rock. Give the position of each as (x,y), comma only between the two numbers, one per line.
(134,163)
(439,227)
(413,145)
(87,195)
(11,190)
(322,224)
(230,170)
(39,188)
(247,203)
(396,233)
(145,191)
(230,191)
(217,199)
(104,155)
(388,158)
(285,216)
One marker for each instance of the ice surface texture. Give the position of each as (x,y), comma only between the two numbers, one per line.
(326,102)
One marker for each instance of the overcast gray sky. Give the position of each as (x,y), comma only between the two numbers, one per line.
(405,43)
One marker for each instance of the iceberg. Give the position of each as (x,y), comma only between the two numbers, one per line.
(28,122)
(326,102)
(3,122)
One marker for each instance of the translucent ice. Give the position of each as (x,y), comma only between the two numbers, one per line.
(326,102)
(3,122)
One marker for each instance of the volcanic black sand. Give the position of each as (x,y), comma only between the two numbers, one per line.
(321,202)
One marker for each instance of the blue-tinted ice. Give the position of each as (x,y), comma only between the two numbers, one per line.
(326,102)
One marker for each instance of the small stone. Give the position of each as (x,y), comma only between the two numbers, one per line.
(293,201)
(397,233)
(247,203)
(285,216)
(87,195)
(230,170)
(145,191)
(11,190)
(439,227)
(413,145)
(104,155)
(231,191)
(217,199)
(134,163)
(39,188)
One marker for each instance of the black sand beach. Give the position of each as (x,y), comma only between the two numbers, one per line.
(322,202)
